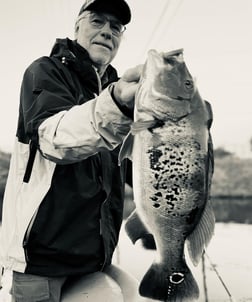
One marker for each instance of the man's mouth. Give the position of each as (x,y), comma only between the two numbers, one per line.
(103,45)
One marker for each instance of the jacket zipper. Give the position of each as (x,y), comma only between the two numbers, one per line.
(100,221)
(27,235)
(98,79)
(103,241)
(106,175)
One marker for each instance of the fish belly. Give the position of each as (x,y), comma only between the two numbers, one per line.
(169,181)
(169,178)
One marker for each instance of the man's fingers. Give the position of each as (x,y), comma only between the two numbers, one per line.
(133,74)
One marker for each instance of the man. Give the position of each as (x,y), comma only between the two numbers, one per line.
(64,196)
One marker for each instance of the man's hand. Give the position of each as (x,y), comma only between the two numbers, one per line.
(125,88)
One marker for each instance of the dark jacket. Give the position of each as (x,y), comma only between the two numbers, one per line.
(74,135)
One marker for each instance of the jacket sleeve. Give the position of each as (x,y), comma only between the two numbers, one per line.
(66,132)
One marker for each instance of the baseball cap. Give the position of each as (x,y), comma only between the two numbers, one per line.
(117,8)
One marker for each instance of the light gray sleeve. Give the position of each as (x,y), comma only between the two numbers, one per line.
(73,135)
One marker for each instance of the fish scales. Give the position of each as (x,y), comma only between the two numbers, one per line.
(172,170)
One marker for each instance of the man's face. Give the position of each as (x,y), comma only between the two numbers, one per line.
(99,37)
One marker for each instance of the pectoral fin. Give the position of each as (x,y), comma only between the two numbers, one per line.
(126,148)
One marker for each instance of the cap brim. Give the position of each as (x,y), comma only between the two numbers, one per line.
(117,8)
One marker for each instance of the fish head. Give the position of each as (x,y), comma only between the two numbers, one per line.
(167,87)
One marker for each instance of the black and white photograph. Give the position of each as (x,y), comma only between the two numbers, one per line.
(126,151)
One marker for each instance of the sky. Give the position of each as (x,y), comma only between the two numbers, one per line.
(215,36)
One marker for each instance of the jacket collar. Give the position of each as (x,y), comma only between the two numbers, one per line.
(76,58)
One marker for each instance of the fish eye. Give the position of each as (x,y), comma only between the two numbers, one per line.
(189,84)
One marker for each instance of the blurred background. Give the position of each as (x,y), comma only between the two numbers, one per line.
(216,37)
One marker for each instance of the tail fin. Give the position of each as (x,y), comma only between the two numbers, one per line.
(161,284)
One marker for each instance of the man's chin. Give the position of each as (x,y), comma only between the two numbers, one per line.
(101,55)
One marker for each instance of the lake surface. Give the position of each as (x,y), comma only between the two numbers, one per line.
(233,209)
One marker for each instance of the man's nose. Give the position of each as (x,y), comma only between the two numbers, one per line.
(106,30)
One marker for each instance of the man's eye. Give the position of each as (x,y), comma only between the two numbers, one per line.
(97,21)
(116,27)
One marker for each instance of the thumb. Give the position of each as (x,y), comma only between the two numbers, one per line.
(133,74)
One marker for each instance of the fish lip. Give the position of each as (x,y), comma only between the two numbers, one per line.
(180,98)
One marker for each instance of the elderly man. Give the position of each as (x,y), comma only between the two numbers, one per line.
(64,197)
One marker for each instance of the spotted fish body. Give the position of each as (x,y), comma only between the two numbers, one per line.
(172,170)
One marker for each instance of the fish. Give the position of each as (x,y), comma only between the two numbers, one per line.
(171,150)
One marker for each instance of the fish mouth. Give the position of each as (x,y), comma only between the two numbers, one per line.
(164,97)
(180,98)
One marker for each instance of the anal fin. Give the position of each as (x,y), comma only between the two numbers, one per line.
(135,229)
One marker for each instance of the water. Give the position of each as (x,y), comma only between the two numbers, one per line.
(233,209)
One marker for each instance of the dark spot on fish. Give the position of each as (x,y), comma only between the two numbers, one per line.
(154,157)
(156,205)
(170,197)
(154,198)
(170,204)
(164,185)
(159,194)
(176,189)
